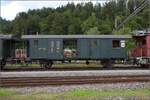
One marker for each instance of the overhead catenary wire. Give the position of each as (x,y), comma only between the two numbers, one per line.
(137,10)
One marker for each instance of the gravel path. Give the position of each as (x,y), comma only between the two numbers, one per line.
(64,88)
(74,73)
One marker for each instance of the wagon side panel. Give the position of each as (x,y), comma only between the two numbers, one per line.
(83,49)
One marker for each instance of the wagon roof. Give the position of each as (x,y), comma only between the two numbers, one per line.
(76,36)
(2,36)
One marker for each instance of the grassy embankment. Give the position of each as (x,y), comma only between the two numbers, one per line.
(79,94)
(65,65)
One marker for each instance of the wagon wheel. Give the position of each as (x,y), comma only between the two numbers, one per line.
(69,61)
(2,64)
(107,63)
(45,66)
(87,62)
(145,65)
(1,67)
(48,65)
(41,65)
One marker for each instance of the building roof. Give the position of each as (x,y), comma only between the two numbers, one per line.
(75,36)
(141,32)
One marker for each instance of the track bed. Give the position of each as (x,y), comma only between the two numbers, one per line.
(17,79)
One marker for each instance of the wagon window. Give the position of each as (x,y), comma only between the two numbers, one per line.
(70,48)
(116,43)
(52,46)
(36,43)
(57,46)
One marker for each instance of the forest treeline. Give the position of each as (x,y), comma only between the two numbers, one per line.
(84,18)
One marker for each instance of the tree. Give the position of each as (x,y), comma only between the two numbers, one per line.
(33,24)
(83,18)
(19,24)
(123,31)
(46,24)
(105,27)
(58,24)
(5,26)
(89,23)
(93,30)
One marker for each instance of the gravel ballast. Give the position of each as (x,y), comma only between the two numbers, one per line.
(74,73)
(65,88)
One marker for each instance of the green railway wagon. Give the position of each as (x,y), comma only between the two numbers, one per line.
(49,48)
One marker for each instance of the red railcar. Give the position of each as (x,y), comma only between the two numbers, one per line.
(142,50)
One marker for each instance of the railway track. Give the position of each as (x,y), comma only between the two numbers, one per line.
(69,80)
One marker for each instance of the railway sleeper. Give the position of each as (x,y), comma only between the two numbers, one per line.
(73,79)
(73,82)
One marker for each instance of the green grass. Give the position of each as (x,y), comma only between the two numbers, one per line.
(78,94)
(6,92)
(14,66)
(75,65)
(62,65)
(65,65)
(114,92)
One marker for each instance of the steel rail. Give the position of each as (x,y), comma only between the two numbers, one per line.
(70,80)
